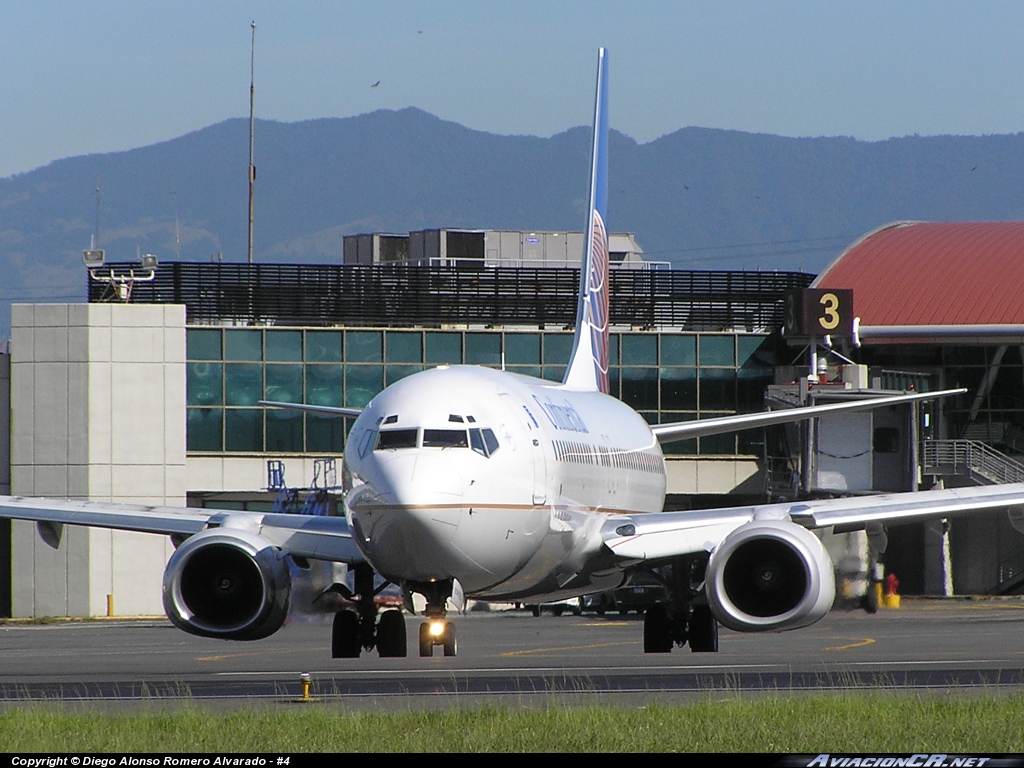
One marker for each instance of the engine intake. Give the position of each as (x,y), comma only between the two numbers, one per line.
(227,583)
(770,575)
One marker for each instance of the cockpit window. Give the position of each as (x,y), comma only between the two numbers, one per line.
(445,438)
(490,441)
(389,439)
(483,441)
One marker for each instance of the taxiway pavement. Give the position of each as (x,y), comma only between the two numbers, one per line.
(514,657)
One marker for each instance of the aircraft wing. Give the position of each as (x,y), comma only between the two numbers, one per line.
(660,535)
(321,538)
(682,430)
(328,409)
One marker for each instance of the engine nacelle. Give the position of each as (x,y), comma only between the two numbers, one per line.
(770,575)
(227,583)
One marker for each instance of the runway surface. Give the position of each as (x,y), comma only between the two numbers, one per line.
(514,657)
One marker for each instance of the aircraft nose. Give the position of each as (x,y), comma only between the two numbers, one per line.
(411,514)
(417,480)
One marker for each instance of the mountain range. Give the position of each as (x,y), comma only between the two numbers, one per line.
(698,198)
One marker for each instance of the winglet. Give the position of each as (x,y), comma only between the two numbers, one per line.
(588,365)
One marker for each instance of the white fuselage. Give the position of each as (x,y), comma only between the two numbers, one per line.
(500,481)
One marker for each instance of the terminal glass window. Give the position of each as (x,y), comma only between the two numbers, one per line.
(364,347)
(483,349)
(667,376)
(404,347)
(323,346)
(443,348)
(243,345)
(284,346)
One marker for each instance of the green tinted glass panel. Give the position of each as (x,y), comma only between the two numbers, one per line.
(553,372)
(203,344)
(557,348)
(243,383)
(718,445)
(717,350)
(525,370)
(679,447)
(754,351)
(717,389)
(325,434)
(483,349)
(444,348)
(325,385)
(679,349)
(678,388)
(204,429)
(750,442)
(404,347)
(323,346)
(522,349)
(397,372)
(243,345)
(284,383)
(613,348)
(615,382)
(205,383)
(639,349)
(640,388)
(243,429)
(364,347)
(751,384)
(284,431)
(284,346)
(362,382)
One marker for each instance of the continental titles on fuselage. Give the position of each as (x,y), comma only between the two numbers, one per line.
(563,416)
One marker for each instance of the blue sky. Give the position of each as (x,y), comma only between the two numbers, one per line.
(108,75)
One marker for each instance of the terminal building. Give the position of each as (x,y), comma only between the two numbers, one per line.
(152,398)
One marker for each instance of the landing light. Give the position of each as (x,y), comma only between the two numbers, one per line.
(436,628)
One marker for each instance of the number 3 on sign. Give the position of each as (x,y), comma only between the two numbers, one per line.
(830,319)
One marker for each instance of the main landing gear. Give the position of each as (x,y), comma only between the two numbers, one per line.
(435,630)
(685,617)
(358,629)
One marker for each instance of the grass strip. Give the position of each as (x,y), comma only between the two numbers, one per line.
(806,723)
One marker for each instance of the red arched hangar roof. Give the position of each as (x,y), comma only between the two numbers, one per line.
(934,273)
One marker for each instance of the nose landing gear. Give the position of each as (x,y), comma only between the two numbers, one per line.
(438,632)
(435,630)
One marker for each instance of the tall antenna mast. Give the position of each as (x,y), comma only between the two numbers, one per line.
(96,236)
(252,166)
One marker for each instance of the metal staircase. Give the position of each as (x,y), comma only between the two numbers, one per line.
(981,463)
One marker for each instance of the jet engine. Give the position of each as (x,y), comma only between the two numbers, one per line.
(227,583)
(770,575)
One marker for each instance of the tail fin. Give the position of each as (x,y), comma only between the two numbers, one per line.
(588,365)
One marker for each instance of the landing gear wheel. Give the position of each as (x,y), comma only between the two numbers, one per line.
(450,644)
(391,635)
(426,641)
(657,635)
(703,630)
(345,636)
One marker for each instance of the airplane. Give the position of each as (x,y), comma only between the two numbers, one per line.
(468,482)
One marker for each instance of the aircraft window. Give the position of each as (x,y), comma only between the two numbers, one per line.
(391,419)
(453,417)
(445,438)
(365,442)
(396,438)
(476,442)
(490,441)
